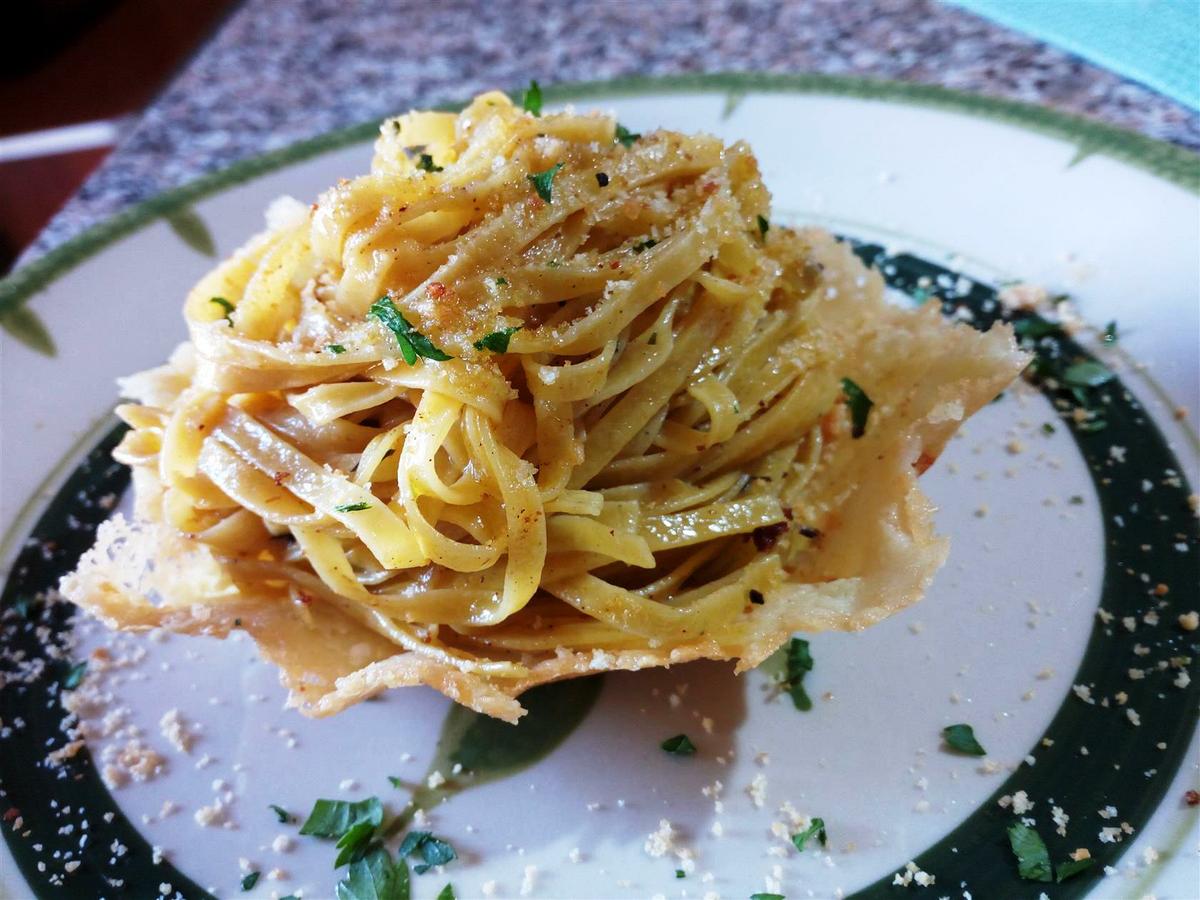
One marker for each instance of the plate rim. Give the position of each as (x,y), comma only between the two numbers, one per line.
(1170,162)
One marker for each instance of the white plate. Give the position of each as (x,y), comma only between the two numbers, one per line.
(989,189)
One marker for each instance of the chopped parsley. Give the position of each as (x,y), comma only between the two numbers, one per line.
(336,349)
(425,164)
(961,737)
(250,881)
(1087,374)
(679,873)
(434,851)
(502,282)
(352,507)
(624,136)
(815,828)
(642,246)
(1071,867)
(541,181)
(497,341)
(602,179)
(352,846)
(412,342)
(225,305)
(860,407)
(333,818)
(396,781)
(281,814)
(74,676)
(1033,860)
(680,745)
(532,101)
(1109,335)
(446,893)
(762,896)
(23,606)
(1048,428)
(1034,327)
(799,664)
(763,226)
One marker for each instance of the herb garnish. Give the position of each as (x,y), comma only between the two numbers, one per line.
(375,877)
(1110,333)
(680,745)
(352,507)
(1034,327)
(642,246)
(74,676)
(762,896)
(412,342)
(625,136)
(961,737)
(333,818)
(1071,867)
(763,226)
(497,341)
(225,305)
(1087,374)
(602,179)
(799,664)
(816,827)
(250,881)
(541,181)
(425,164)
(1048,428)
(501,282)
(679,873)
(446,893)
(434,851)
(23,606)
(532,101)
(1033,860)
(860,407)
(281,814)
(336,349)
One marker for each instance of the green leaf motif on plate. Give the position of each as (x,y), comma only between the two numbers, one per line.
(27,327)
(191,229)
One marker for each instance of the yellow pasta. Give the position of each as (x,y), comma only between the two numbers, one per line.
(529,401)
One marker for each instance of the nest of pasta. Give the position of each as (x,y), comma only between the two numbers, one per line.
(535,398)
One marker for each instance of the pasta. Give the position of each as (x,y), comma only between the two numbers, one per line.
(533,398)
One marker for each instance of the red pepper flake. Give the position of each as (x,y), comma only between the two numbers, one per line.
(436,290)
(615,264)
(924,461)
(1192,798)
(765,536)
(11,813)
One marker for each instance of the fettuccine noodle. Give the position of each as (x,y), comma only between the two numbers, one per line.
(533,398)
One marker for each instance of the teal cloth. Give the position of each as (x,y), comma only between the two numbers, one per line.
(1156,42)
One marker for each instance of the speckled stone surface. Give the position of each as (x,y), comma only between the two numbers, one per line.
(282,70)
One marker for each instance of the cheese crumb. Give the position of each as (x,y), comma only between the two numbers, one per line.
(176,730)
(757,791)
(1189,621)
(528,879)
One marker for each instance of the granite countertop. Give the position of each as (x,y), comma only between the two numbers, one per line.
(278,72)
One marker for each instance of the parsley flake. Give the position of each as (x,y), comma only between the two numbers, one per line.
(541,181)
(624,136)
(799,664)
(352,507)
(680,745)
(961,737)
(281,814)
(225,305)
(1110,333)
(352,845)
(860,407)
(375,877)
(679,873)
(446,893)
(434,851)
(1048,428)
(1033,860)
(336,349)
(815,828)
(412,342)
(762,896)
(502,282)
(1034,327)
(763,226)
(532,101)
(250,881)
(1071,867)
(74,676)
(497,341)
(1087,374)
(425,164)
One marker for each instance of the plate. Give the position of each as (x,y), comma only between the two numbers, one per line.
(1061,537)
